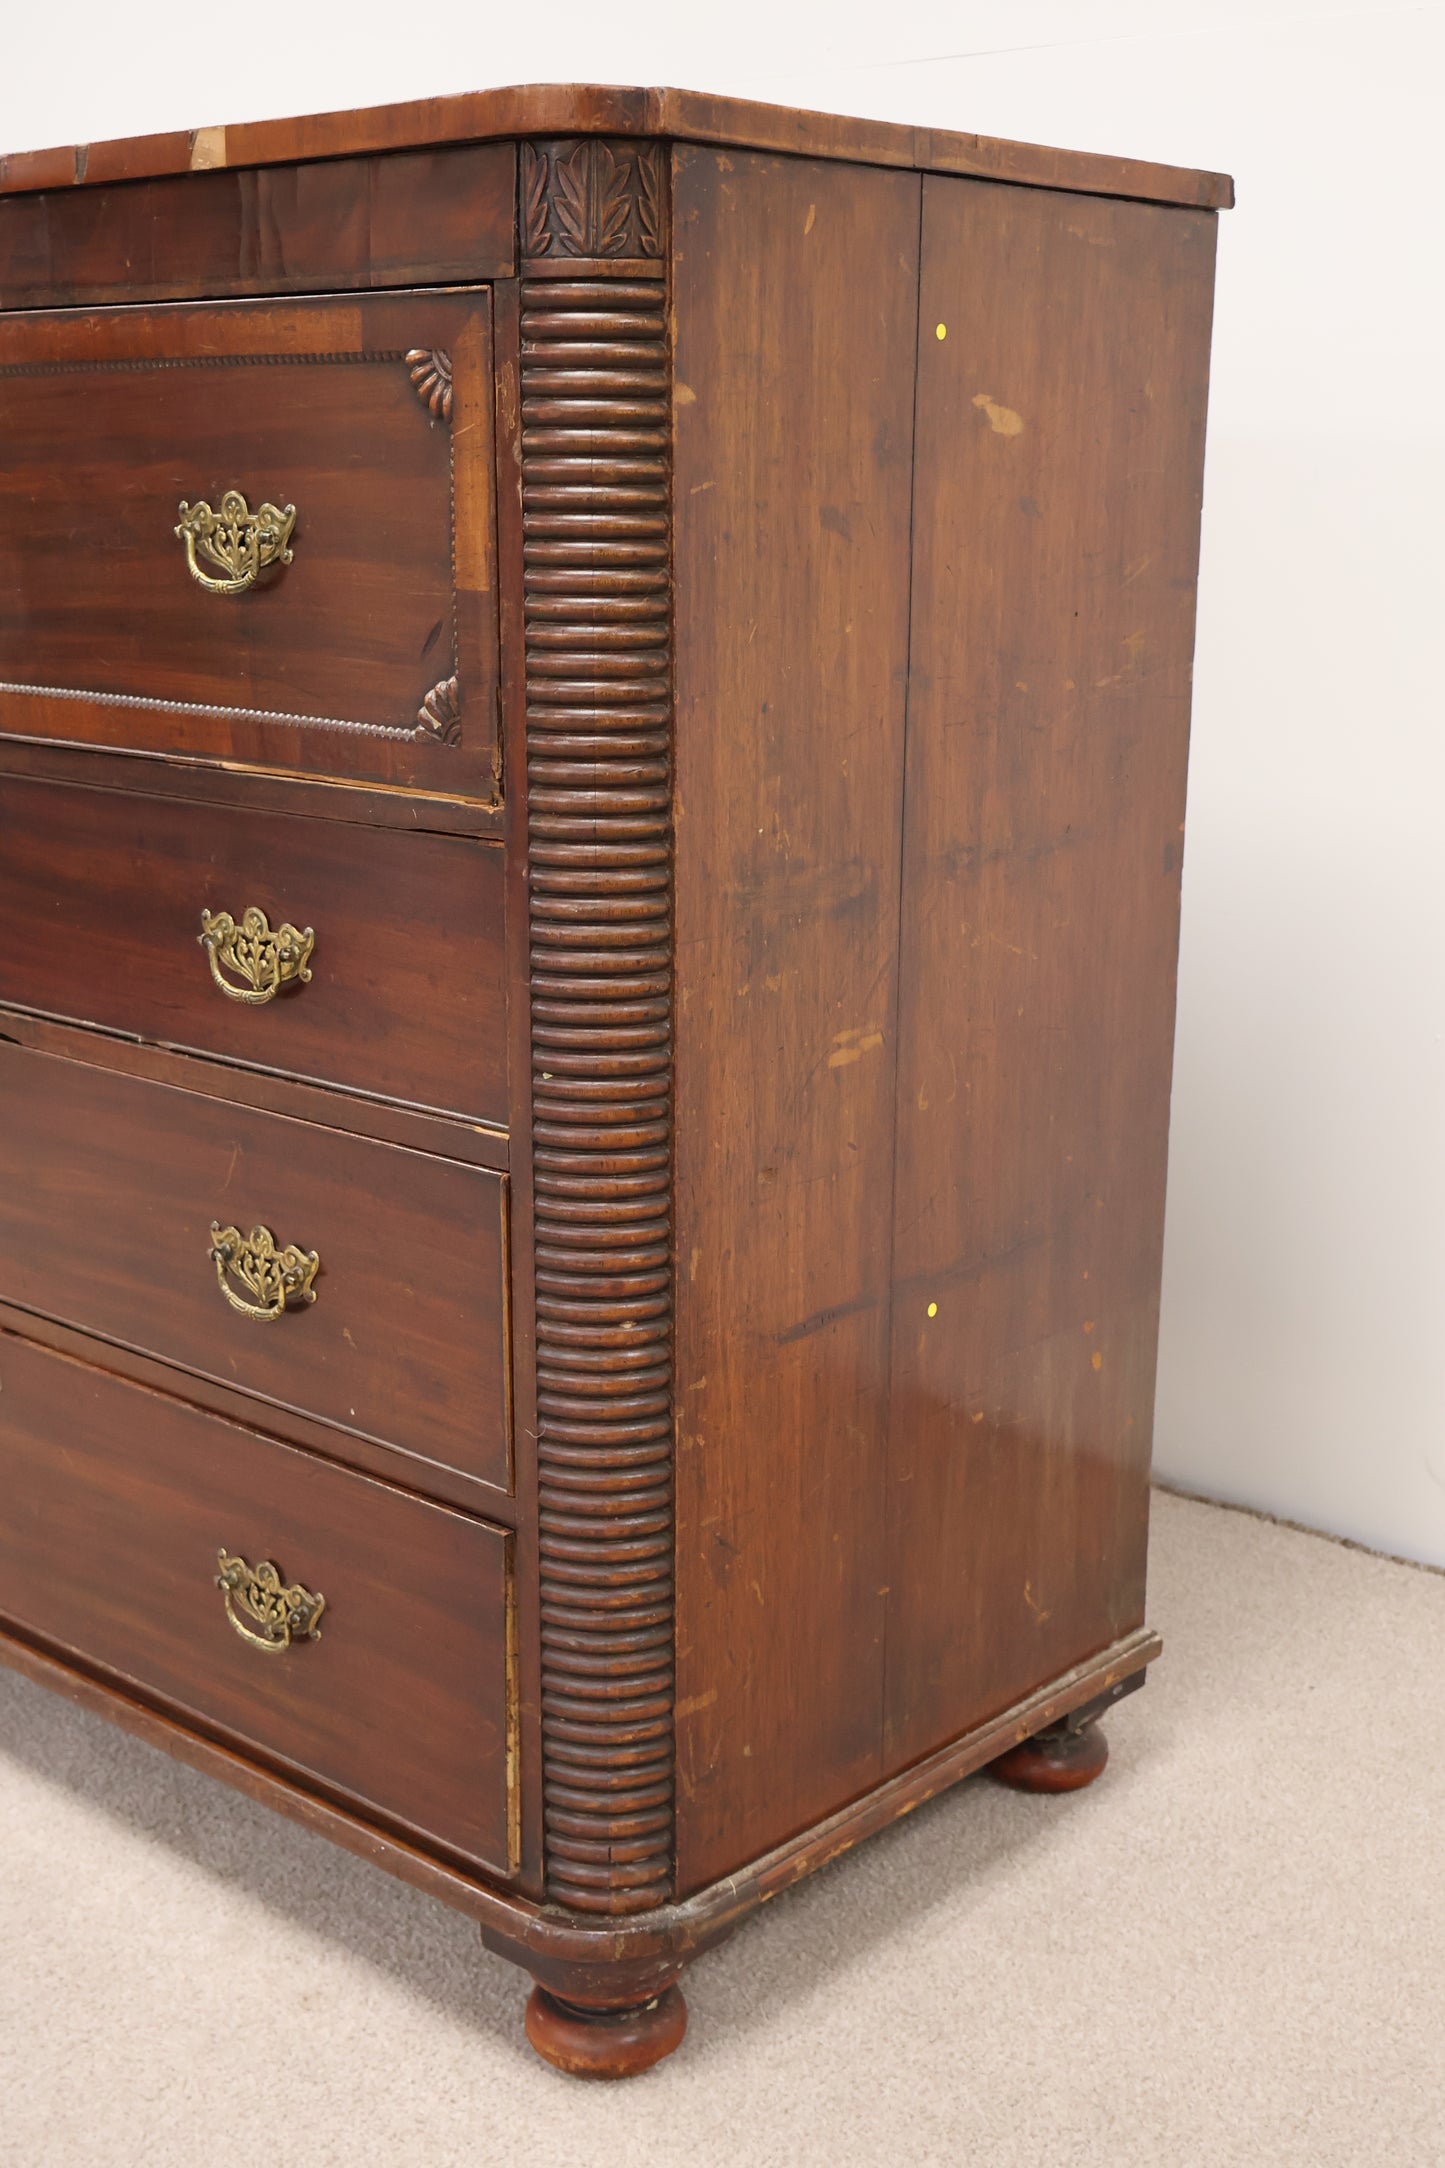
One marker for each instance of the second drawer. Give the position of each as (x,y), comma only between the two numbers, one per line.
(405,995)
(109,1189)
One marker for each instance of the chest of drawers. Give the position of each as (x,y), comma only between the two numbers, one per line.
(594,693)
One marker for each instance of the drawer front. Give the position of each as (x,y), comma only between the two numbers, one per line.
(115,1505)
(405,994)
(358,638)
(110,1186)
(324,226)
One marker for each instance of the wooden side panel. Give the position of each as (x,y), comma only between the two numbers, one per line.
(795,297)
(1059,453)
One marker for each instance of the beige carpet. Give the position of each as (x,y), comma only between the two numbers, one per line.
(1231,1950)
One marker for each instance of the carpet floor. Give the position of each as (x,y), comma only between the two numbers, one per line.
(1230,1950)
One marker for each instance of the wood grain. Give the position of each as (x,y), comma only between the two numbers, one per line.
(796,295)
(566,109)
(117,1501)
(1055,546)
(111,419)
(407,995)
(109,1186)
(420,218)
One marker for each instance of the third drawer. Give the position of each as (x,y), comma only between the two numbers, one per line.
(110,1187)
(406,993)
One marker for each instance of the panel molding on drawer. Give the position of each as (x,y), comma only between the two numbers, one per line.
(119,1501)
(370,651)
(109,1186)
(406,998)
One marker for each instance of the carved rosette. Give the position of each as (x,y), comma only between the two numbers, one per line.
(596,419)
(592,198)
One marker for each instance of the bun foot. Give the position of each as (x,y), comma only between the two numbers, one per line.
(1058,1760)
(605,2043)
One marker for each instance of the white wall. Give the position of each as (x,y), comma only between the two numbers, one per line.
(1303,1361)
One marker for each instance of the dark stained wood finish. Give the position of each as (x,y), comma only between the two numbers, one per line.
(407,996)
(446,1135)
(200,781)
(1055,547)
(110,420)
(1060,1761)
(571,1955)
(606,2043)
(109,1186)
(373,1457)
(595,519)
(568,109)
(796,288)
(421,218)
(825,540)
(117,1501)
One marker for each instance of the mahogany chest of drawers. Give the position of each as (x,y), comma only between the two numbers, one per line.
(594,691)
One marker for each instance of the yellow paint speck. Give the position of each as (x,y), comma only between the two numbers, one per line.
(808,222)
(1088,1324)
(940,331)
(933,1309)
(1097,1360)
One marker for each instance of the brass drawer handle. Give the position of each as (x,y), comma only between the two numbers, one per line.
(266,961)
(275,1277)
(241,543)
(276,1610)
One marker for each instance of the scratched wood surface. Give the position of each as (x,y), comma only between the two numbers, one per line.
(796,291)
(1058,483)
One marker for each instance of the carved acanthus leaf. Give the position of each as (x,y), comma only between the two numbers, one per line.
(536,240)
(571,199)
(592,198)
(649,199)
(431,373)
(440,714)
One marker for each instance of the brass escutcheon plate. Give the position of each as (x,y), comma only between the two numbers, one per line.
(273,1277)
(242,544)
(266,962)
(266,1611)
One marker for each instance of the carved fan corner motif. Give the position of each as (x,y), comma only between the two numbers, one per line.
(440,714)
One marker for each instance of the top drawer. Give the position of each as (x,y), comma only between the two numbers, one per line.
(366,646)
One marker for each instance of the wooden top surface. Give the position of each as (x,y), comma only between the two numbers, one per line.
(554,109)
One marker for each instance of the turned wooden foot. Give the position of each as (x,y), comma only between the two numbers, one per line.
(601,2043)
(1058,1760)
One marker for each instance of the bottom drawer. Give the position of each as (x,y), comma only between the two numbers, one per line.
(115,1503)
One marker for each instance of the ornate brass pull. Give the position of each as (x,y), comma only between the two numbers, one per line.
(277,1611)
(266,961)
(241,543)
(275,1277)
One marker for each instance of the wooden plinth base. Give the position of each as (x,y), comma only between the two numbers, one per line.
(605,2043)
(1056,1761)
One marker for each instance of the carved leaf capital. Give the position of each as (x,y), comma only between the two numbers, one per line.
(592,197)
